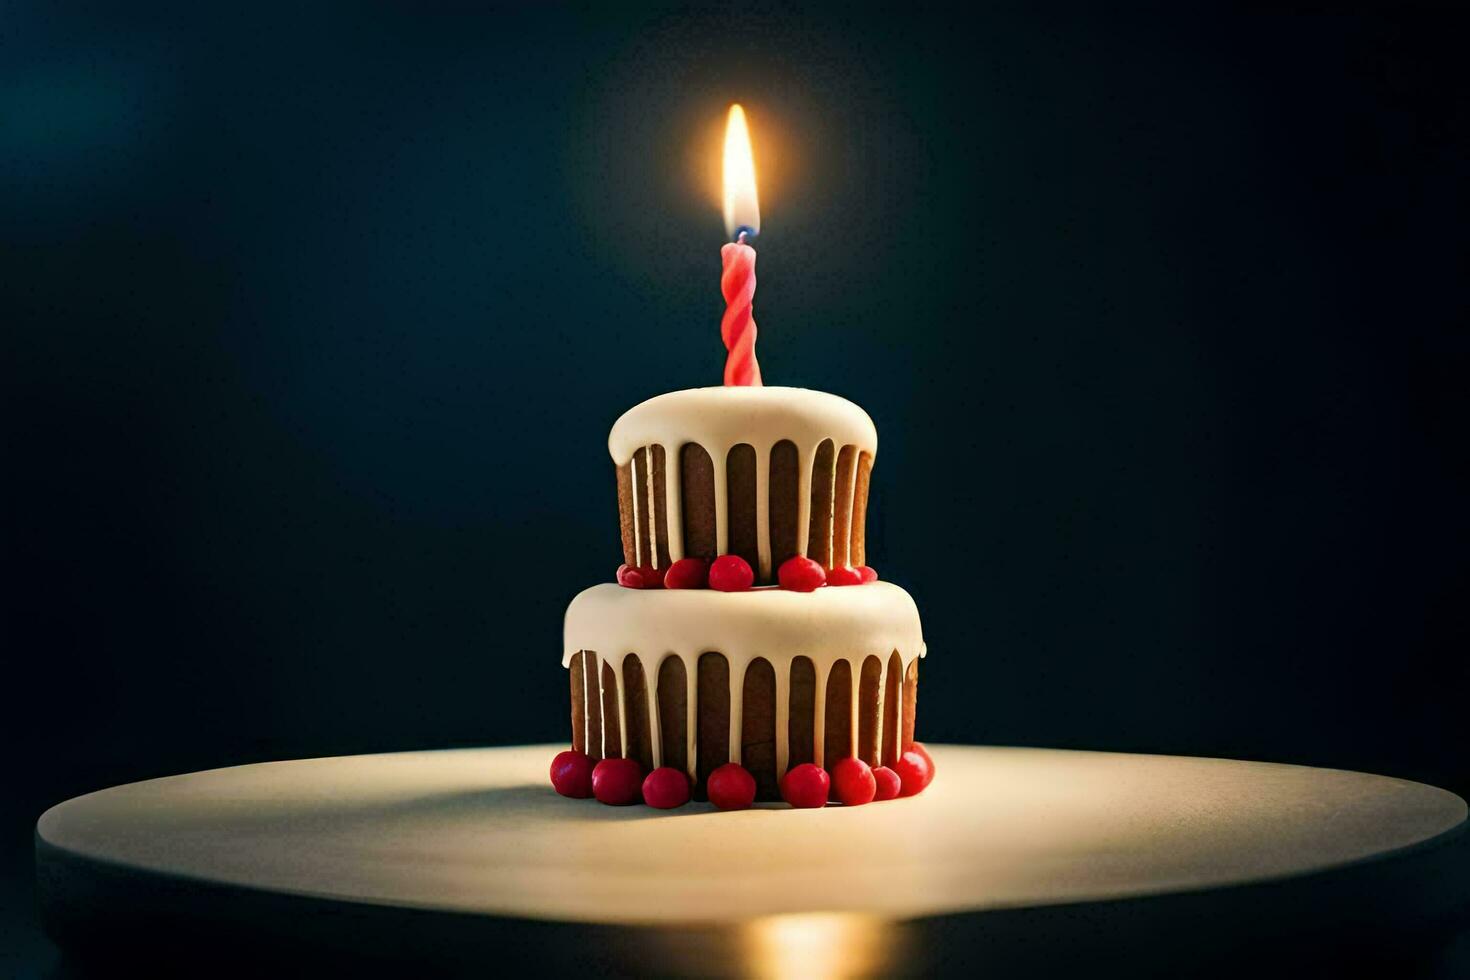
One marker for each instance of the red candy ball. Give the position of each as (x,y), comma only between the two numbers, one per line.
(867,574)
(640,577)
(687,573)
(806,786)
(853,783)
(617,781)
(666,788)
(913,770)
(730,573)
(919,748)
(801,574)
(844,575)
(571,774)
(888,783)
(731,787)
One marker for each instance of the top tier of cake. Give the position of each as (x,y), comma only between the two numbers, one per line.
(761,472)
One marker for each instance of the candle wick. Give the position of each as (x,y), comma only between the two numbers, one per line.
(740,239)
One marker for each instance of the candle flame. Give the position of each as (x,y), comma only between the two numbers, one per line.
(742,209)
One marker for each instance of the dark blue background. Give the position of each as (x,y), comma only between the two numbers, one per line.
(315,322)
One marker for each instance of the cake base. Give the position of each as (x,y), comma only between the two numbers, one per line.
(766,678)
(469,859)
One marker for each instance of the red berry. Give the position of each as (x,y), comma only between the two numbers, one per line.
(801,574)
(731,787)
(687,573)
(666,788)
(867,574)
(844,575)
(731,573)
(571,774)
(888,782)
(806,786)
(640,577)
(919,748)
(853,782)
(913,771)
(616,781)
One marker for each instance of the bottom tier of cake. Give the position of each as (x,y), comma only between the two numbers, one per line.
(766,678)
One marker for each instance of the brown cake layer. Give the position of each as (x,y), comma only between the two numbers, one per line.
(837,527)
(595,714)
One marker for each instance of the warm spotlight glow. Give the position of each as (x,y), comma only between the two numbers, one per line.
(742,208)
(816,946)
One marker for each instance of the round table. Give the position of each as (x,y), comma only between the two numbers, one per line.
(467,859)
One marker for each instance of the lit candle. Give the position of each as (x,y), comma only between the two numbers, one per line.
(737,278)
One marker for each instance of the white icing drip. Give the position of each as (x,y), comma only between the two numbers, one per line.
(832,508)
(831,624)
(674,500)
(652,510)
(637,525)
(620,691)
(842,550)
(586,713)
(586,704)
(737,705)
(806,459)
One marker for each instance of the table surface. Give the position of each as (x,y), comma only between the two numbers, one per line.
(479,831)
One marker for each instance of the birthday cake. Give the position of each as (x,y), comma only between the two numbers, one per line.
(746,651)
(745,627)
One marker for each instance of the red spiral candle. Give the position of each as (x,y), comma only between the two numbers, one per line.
(737,326)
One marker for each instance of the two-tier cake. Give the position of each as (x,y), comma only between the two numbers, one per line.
(762,491)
